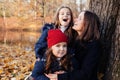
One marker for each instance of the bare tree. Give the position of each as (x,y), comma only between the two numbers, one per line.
(4,21)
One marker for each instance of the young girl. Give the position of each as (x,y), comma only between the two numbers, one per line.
(87,47)
(56,59)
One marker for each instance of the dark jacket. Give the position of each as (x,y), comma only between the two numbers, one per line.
(87,55)
(54,67)
(38,71)
(41,45)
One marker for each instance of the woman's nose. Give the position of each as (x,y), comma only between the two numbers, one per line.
(75,20)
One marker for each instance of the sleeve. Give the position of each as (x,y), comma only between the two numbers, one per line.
(89,66)
(42,77)
(38,71)
(41,44)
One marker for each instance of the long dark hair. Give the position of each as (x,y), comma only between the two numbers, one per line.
(70,33)
(91,27)
(50,58)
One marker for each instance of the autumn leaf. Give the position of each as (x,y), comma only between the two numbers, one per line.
(15,62)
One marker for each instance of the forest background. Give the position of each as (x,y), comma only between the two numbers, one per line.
(20,27)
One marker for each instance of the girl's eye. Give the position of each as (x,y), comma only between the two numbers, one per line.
(68,13)
(61,13)
(57,45)
(65,45)
(64,13)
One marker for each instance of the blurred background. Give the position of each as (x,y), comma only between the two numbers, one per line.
(21,20)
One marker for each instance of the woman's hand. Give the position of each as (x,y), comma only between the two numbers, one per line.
(52,76)
(55,75)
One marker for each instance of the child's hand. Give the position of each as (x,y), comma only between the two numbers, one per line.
(38,59)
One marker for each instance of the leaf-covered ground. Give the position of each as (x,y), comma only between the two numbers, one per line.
(16,62)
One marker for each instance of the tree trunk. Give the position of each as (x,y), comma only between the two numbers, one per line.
(5,24)
(109,14)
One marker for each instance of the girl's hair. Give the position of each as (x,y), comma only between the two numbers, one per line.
(91,27)
(50,58)
(70,33)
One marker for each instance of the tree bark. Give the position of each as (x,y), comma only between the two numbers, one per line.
(109,14)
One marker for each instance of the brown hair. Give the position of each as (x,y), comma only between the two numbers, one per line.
(91,27)
(70,33)
(50,58)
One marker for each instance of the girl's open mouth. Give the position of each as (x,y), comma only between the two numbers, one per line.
(65,20)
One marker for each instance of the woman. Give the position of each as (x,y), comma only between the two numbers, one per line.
(86,47)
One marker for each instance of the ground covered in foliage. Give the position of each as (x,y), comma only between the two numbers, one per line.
(16,61)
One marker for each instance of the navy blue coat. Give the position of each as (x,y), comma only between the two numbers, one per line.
(38,71)
(41,45)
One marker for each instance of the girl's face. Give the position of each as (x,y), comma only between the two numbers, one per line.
(79,23)
(59,49)
(64,17)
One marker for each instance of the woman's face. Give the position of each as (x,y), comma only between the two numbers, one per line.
(79,23)
(64,17)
